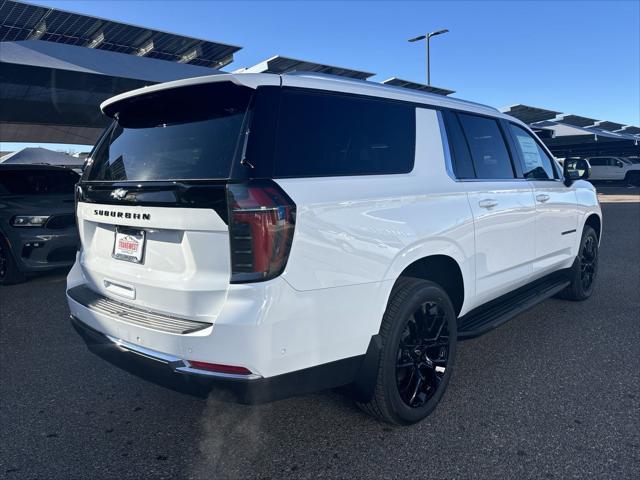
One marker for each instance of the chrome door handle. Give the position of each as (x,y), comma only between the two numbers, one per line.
(542,198)
(488,203)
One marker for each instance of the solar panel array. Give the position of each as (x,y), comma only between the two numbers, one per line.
(529,114)
(280,65)
(23,21)
(537,116)
(610,126)
(398,82)
(577,120)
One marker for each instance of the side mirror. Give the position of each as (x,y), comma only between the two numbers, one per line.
(575,170)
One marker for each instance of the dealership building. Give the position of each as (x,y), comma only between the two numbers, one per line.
(56,67)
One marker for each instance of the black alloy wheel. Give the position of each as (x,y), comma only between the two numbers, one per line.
(584,272)
(588,262)
(422,355)
(9,272)
(4,261)
(418,338)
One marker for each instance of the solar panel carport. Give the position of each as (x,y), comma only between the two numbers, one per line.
(575,135)
(279,64)
(398,82)
(630,130)
(23,21)
(51,93)
(529,114)
(57,67)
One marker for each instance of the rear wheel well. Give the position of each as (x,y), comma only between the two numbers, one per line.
(594,222)
(442,270)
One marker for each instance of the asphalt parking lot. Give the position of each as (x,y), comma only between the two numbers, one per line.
(554,393)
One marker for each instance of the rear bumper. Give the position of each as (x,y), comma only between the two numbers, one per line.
(175,373)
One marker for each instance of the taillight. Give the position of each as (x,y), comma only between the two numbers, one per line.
(261,225)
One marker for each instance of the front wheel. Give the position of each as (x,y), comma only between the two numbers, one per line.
(633,179)
(585,268)
(419,337)
(9,273)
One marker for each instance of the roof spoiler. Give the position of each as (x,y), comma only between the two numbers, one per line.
(250,80)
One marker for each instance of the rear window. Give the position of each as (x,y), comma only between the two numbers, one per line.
(181,134)
(322,134)
(37,182)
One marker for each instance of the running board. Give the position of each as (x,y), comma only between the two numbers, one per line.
(503,309)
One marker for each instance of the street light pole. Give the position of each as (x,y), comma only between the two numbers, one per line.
(427,37)
(428,62)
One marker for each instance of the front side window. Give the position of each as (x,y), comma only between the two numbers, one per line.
(185,133)
(488,149)
(536,164)
(331,134)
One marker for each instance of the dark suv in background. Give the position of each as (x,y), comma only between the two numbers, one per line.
(37,221)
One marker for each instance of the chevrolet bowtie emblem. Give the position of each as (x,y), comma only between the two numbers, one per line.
(118,194)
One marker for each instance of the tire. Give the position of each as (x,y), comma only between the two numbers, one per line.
(633,179)
(9,273)
(411,381)
(585,268)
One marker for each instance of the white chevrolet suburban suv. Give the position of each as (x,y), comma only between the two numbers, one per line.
(273,235)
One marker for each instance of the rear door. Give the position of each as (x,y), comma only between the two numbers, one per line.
(503,205)
(602,168)
(556,204)
(152,201)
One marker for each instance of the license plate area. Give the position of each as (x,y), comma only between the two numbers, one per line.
(129,244)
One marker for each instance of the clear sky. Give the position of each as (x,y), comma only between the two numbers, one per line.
(570,56)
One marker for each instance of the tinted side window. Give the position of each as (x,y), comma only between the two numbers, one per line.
(460,155)
(536,164)
(326,134)
(598,162)
(488,150)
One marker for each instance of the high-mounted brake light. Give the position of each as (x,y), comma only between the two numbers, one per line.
(261,226)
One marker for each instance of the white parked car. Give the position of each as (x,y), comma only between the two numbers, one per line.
(617,169)
(278,235)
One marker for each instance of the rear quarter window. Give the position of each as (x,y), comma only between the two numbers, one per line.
(322,134)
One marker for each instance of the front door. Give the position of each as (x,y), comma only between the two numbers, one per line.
(556,204)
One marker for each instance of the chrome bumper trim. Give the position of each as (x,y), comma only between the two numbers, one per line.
(176,364)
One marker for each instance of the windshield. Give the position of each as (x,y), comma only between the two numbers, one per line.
(185,133)
(37,182)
